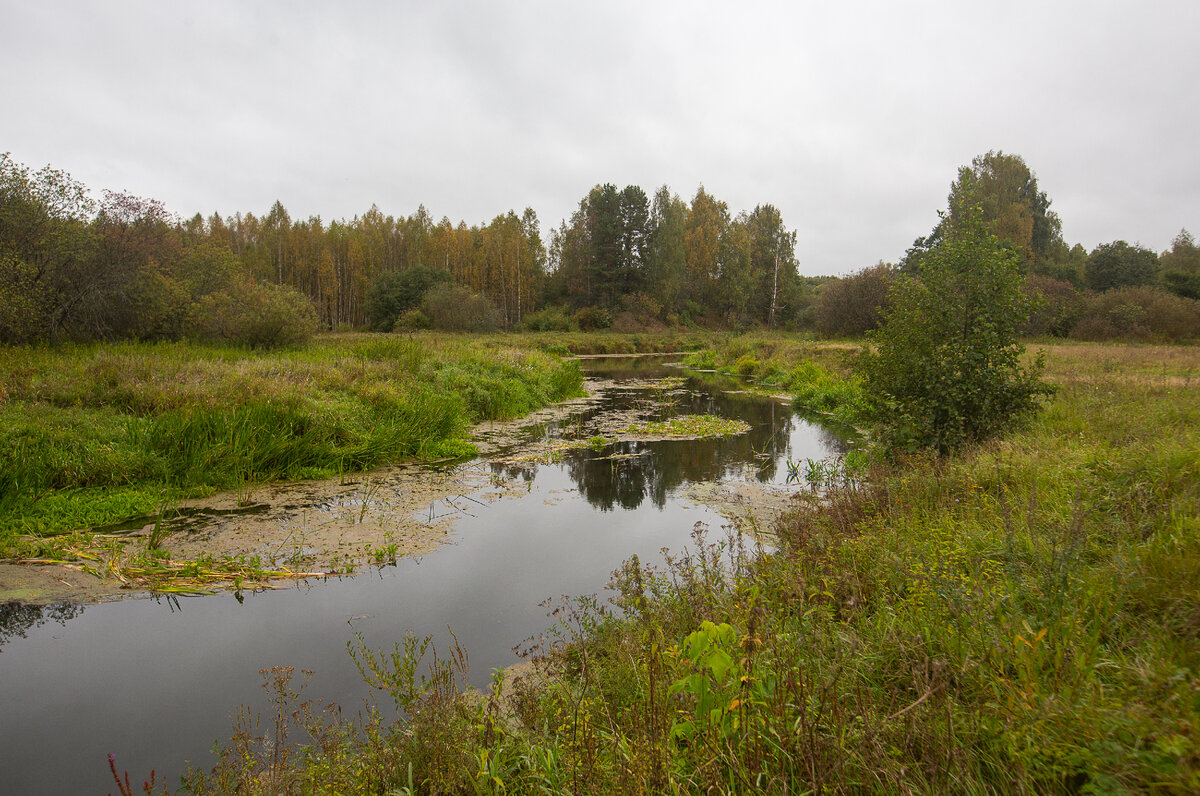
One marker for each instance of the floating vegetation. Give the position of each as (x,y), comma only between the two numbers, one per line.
(115,558)
(691,427)
(557,452)
(668,383)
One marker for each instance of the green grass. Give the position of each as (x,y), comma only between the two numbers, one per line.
(100,433)
(818,376)
(1021,617)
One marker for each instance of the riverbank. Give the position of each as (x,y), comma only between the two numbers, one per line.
(1019,618)
(102,435)
(263,534)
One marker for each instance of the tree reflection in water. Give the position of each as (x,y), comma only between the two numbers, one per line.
(626,473)
(16,619)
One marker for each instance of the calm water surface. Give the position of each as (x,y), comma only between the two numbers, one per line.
(156,681)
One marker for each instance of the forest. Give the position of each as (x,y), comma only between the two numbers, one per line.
(124,267)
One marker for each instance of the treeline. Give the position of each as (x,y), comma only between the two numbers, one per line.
(676,262)
(72,268)
(1118,290)
(123,267)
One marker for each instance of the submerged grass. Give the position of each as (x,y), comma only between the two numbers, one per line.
(1022,618)
(101,433)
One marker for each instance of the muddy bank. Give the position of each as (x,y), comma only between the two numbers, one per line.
(43,584)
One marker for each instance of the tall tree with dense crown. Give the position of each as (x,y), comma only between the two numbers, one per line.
(1005,191)
(707,221)
(1118,264)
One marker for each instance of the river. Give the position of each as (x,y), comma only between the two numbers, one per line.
(157,681)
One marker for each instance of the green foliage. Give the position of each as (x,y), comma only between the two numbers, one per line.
(1181,266)
(709,674)
(1118,264)
(1138,313)
(820,391)
(1183,283)
(254,314)
(550,319)
(395,292)
(589,319)
(705,359)
(454,308)
(746,365)
(1018,618)
(1003,189)
(412,320)
(945,368)
(101,434)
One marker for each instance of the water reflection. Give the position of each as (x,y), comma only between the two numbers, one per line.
(17,619)
(160,683)
(625,474)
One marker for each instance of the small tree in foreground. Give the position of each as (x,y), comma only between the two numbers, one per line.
(945,370)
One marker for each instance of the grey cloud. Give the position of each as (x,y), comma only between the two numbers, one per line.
(852,118)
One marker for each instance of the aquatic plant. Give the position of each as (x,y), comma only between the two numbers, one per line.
(697,426)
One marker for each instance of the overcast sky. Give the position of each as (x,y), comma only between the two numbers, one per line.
(850,117)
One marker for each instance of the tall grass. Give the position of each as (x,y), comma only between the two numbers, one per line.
(86,425)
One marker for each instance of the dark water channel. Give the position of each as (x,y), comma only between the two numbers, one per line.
(157,681)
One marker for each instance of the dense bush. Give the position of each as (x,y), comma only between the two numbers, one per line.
(411,320)
(395,292)
(1118,264)
(1139,313)
(254,314)
(853,305)
(1055,306)
(591,318)
(945,370)
(454,308)
(550,319)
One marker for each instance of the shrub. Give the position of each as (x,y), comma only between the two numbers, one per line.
(550,319)
(410,320)
(254,314)
(455,308)
(854,305)
(746,365)
(1139,313)
(591,318)
(946,370)
(1056,306)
